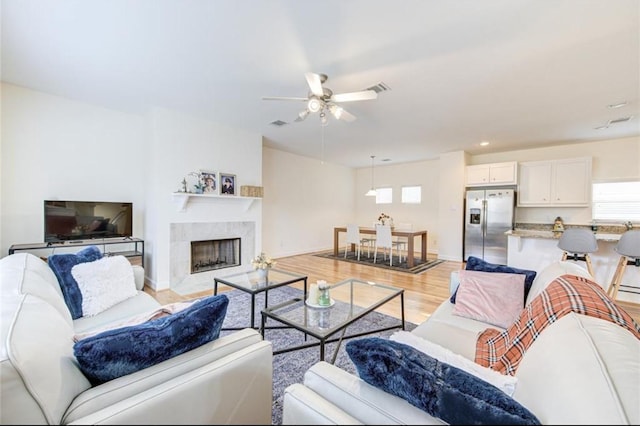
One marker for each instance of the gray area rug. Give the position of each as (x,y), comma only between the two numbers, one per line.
(289,368)
(401,266)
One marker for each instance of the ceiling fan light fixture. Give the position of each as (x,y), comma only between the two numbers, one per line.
(303,114)
(314,104)
(323,119)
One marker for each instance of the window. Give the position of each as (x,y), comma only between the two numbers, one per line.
(384,195)
(412,194)
(616,201)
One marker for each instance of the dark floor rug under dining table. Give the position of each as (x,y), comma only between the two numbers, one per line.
(289,368)
(401,266)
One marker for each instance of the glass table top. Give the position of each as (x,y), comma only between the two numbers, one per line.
(353,298)
(252,281)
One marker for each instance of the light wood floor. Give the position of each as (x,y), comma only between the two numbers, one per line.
(423,292)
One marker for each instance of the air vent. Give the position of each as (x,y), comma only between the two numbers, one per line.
(278,123)
(620,120)
(380,87)
(614,121)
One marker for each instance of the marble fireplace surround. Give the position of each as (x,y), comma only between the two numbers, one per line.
(180,237)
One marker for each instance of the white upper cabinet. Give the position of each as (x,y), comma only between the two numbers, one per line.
(565,182)
(492,174)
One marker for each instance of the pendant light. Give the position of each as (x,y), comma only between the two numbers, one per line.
(372,191)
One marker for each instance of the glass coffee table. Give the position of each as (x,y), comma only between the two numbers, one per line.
(251,282)
(352,299)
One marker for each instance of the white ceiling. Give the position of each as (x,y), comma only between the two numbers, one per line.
(517,73)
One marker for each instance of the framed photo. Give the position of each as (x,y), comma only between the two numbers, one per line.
(210,182)
(227,184)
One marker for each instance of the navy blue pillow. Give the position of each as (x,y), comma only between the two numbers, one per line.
(61,265)
(477,264)
(121,351)
(443,391)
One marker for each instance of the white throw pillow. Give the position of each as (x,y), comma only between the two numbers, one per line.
(104,283)
(505,383)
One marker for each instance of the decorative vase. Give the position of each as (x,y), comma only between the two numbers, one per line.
(263,274)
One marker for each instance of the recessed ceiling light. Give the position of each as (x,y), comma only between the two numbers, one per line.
(618,105)
(484,143)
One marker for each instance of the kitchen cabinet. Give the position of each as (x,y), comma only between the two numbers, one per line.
(564,183)
(492,174)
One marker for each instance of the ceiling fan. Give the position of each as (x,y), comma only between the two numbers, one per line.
(321,99)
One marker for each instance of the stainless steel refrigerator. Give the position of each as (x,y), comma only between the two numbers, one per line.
(489,213)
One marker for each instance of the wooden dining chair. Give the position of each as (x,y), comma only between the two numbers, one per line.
(384,241)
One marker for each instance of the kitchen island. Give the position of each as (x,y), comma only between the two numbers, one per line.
(534,249)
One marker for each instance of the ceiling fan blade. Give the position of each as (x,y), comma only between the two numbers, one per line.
(363,95)
(283,98)
(315,83)
(340,113)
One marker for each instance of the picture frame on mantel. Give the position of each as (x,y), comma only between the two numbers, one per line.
(210,182)
(227,184)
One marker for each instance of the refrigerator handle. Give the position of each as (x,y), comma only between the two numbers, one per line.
(484,217)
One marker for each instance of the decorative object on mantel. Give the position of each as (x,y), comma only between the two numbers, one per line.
(210,181)
(195,180)
(385,219)
(227,184)
(251,191)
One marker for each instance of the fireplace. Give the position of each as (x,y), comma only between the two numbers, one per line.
(182,234)
(215,254)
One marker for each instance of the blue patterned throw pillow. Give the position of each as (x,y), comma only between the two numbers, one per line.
(61,265)
(121,351)
(477,264)
(443,391)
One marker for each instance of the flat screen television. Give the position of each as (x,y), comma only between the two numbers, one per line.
(85,220)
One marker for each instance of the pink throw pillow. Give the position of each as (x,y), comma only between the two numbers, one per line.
(492,297)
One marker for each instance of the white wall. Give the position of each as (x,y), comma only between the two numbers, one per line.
(304,199)
(55,148)
(181,144)
(421,216)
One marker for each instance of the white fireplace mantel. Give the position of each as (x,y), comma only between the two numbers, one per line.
(182,199)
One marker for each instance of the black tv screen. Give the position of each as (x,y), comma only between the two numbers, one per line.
(84,220)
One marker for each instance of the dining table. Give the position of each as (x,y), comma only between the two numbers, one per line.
(406,233)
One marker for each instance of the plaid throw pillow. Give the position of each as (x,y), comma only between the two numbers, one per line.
(503,351)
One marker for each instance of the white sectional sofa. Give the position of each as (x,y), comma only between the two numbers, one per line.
(580,370)
(225,381)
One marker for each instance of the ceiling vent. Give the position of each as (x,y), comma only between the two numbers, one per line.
(278,123)
(615,121)
(380,87)
(620,120)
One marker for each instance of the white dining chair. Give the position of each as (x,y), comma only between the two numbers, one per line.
(401,243)
(384,241)
(369,241)
(353,237)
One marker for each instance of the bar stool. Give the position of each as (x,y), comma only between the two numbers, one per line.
(577,243)
(629,249)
